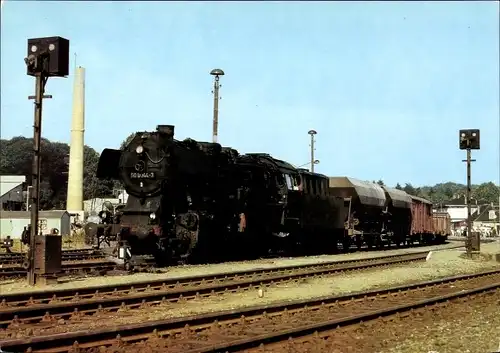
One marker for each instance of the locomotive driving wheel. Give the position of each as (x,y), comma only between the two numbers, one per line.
(186,236)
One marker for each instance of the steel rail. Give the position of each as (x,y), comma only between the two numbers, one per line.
(64,252)
(68,303)
(16,260)
(169,328)
(66,267)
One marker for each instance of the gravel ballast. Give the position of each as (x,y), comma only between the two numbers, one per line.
(441,264)
(20,285)
(471,326)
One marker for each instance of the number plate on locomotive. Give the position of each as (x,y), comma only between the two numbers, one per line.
(148,175)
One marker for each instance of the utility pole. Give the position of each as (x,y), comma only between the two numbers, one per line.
(312,133)
(215,128)
(469,140)
(47,57)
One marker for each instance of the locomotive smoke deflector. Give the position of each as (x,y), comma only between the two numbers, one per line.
(109,163)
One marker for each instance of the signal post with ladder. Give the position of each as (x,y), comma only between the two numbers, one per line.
(470,140)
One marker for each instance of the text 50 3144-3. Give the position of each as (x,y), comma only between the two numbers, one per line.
(146,175)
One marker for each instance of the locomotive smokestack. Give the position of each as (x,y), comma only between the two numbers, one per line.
(75,177)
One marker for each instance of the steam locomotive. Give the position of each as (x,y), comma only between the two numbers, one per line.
(195,201)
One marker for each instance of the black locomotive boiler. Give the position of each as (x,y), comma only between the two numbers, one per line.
(182,194)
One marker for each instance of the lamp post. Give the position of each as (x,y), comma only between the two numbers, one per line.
(312,133)
(216,73)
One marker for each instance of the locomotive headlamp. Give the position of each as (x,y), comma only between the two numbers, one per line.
(103,215)
(139,149)
(8,242)
(152,215)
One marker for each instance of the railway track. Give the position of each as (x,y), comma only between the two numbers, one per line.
(63,304)
(97,265)
(81,261)
(67,268)
(65,251)
(251,327)
(18,258)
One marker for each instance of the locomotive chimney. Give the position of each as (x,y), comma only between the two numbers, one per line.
(75,177)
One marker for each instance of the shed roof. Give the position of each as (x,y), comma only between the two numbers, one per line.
(9,182)
(488,214)
(27,214)
(12,178)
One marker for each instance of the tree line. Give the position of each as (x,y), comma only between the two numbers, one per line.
(16,159)
(16,156)
(442,193)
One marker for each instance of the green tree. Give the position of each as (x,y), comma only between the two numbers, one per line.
(486,193)
(445,192)
(92,186)
(16,159)
(399,187)
(409,189)
(127,141)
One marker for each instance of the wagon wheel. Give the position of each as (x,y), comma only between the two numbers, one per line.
(346,243)
(359,242)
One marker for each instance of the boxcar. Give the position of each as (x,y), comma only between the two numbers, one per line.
(422,227)
(442,226)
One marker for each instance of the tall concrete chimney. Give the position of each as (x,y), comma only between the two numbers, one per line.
(74,203)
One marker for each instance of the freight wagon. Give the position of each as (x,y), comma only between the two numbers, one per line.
(442,225)
(421,221)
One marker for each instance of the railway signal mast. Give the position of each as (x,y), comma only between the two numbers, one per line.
(469,140)
(47,57)
(216,73)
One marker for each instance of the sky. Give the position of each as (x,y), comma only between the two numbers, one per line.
(387,85)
